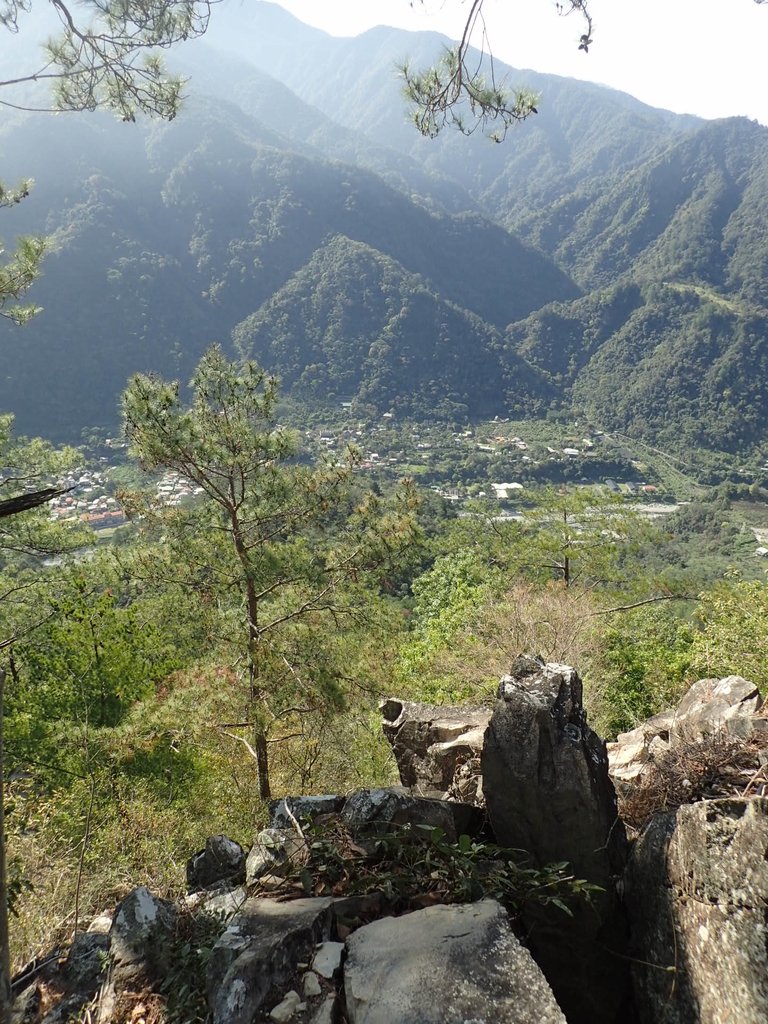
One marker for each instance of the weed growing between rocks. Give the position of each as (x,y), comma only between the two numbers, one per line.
(183,986)
(416,866)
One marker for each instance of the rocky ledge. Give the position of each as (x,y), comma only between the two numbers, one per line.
(395,907)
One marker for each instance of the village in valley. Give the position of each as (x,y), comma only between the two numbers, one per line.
(497,460)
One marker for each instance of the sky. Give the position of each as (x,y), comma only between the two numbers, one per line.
(705,57)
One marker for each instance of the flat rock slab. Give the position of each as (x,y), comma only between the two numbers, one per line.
(327,959)
(445,965)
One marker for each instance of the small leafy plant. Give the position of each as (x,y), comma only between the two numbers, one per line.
(183,986)
(416,865)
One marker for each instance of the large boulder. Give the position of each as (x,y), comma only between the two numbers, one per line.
(715,706)
(140,946)
(255,962)
(436,747)
(697,891)
(374,810)
(445,965)
(548,793)
(713,709)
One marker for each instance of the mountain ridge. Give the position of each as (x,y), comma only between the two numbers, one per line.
(604,242)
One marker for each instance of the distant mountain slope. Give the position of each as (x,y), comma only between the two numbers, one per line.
(607,254)
(582,131)
(353,323)
(309,131)
(675,364)
(695,211)
(164,237)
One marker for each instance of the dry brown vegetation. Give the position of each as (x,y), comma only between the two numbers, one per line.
(553,622)
(716,767)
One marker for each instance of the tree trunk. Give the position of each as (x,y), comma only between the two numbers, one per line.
(262,763)
(5,942)
(254,668)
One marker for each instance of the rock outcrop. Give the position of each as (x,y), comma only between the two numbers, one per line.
(697,891)
(437,748)
(723,709)
(288,944)
(545,777)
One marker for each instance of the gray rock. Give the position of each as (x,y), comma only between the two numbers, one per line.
(310,985)
(445,965)
(101,924)
(547,791)
(630,754)
(697,891)
(225,904)
(26,1006)
(326,1012)
(433,743)
(140,936)
(303,808)
(327,959)
(255,960)
(721,708)
(140,942)
(275,852)
(85,966)
(714,707)
(287,1008)
(222,860)
(372,809)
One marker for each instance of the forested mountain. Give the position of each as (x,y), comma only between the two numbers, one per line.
(694,211)
(354,323)
(672,363)
(164,237)
(608,254)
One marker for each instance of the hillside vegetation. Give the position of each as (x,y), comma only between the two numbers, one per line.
(466,401)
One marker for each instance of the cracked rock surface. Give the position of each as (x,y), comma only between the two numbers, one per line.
(445,965)
(697,888)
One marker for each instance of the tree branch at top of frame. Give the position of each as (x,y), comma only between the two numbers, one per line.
(107,55)
(461,91)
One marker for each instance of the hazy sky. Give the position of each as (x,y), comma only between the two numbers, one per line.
(706,57)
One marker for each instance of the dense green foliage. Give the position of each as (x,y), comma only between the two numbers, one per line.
(675,364)
(353,324)
(175,243)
